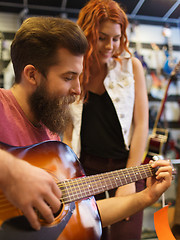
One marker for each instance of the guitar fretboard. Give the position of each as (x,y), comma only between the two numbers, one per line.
(79,188)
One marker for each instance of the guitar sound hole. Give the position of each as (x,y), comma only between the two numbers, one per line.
(59,211)
(55,214)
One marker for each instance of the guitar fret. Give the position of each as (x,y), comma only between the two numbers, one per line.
(91,186)
(79,184)
(145,173)
(151,171)
(139,176)
(133,175)
(129,177)
(64,188)
(114,179)
(118,179)
(103,184)
(142,172)
(108,181)
(124,172)
(79,191)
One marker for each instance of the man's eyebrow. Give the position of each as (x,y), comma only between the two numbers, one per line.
(70,72)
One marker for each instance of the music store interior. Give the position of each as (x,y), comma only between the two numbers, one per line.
(154,38)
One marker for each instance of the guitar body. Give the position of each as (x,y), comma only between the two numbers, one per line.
(76,220)
(169,65)
(156,144)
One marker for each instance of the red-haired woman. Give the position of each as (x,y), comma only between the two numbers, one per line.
(110,121)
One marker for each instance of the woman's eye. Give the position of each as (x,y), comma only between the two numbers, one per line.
(101,38)
(116,39)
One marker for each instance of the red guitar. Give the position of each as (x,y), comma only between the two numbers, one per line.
(78,218)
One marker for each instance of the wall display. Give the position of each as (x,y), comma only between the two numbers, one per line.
(159,136)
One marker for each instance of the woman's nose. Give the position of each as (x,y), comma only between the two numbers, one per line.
(109,44)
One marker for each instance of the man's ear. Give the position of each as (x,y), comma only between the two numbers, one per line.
(30,73)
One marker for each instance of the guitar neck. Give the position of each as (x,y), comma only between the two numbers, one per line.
(79,188)
(162,105)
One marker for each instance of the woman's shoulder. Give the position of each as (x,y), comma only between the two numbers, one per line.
(136,61)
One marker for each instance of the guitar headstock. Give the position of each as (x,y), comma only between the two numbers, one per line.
(155,46)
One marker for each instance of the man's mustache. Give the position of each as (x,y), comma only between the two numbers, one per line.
(67,100)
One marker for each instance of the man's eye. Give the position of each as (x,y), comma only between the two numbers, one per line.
(68,78)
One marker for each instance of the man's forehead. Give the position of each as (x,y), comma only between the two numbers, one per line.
(68,63)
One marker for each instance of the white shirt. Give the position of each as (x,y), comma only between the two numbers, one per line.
(119,83)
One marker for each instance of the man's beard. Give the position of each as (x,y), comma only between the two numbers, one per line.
(52,111)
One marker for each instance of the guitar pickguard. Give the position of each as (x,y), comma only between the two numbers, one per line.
(19,228)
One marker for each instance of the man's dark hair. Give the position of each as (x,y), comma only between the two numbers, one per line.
(39,38)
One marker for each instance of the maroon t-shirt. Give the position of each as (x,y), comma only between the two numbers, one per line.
(15,128)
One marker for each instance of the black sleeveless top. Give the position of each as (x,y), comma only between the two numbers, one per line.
(101,133)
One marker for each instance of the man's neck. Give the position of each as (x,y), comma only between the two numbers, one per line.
(21,96)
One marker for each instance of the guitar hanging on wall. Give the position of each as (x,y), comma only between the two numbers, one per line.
(168,51)
(159,136)
(78,217)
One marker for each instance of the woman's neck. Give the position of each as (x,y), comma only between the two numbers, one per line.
(96,80)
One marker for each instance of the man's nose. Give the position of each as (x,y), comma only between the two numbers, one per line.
(76,88)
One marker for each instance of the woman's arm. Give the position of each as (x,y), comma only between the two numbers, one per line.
(140,117)
(140,124)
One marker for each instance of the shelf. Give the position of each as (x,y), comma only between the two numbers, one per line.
(148,46)
(170,98)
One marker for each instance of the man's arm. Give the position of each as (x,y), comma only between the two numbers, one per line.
(28,187)
(115,209)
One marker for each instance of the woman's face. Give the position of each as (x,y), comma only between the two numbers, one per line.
(109,40)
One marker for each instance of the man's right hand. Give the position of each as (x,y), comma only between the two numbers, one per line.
(28,188)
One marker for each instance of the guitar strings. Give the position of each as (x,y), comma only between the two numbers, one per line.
(99,176)
(117,172)
(91,185)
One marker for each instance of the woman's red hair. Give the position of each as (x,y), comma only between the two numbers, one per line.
(90,17)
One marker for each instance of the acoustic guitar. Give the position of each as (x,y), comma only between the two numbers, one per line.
(78,218)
